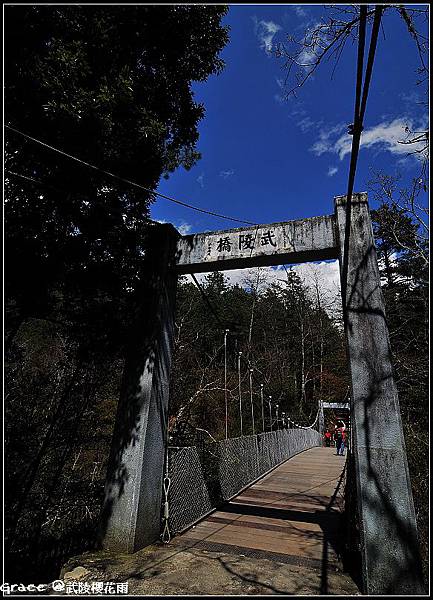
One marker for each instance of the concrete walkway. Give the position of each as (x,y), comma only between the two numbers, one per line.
(280,536)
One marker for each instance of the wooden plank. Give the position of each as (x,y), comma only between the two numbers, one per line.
(299,547)
(278,515)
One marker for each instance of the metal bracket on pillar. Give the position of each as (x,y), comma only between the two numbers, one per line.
(390,550)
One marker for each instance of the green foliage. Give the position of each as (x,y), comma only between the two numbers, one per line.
(400,246)
(405,287)
(112,86)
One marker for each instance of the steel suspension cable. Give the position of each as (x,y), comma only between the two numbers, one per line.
(128,181)
(360,62)
(360,106)
(371,54)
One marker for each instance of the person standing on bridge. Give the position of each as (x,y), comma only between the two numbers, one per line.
(327,437)
(340,436)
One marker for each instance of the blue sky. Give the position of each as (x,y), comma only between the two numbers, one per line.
(265,159)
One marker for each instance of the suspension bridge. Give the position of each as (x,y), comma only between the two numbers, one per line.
(150,486)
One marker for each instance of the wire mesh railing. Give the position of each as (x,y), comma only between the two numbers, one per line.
(202,478)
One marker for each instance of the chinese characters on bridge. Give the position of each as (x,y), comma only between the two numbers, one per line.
(245,241)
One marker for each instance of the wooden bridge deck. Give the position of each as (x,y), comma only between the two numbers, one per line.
(280,536)
(293,514)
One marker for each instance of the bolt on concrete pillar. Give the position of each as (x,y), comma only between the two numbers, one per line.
(131,516)
(390,550)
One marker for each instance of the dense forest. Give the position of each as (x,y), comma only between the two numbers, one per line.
(278,336)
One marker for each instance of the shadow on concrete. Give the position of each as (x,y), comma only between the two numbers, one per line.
(391,560)
(251,579)
(131,511)
(352,560)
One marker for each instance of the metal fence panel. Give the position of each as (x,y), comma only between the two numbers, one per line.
(189,494)
(202,479)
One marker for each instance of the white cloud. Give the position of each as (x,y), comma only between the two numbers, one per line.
(278,97)
(184,228)
(332,171)
(327,276)
(265,32)
(326,142)
(303,120)
(386,136)
(315,39)
(200,180)
(306,124)
(411,98)
(300,12)
(307,58)
(226,174)
(298,111)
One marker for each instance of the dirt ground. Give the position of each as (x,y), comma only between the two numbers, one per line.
(165,570)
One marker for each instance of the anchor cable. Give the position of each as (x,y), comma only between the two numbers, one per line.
(207,301)
(166,534)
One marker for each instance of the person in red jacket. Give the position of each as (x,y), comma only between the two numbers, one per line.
(327,437)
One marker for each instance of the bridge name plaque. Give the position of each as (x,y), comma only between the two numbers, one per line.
(261,245)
